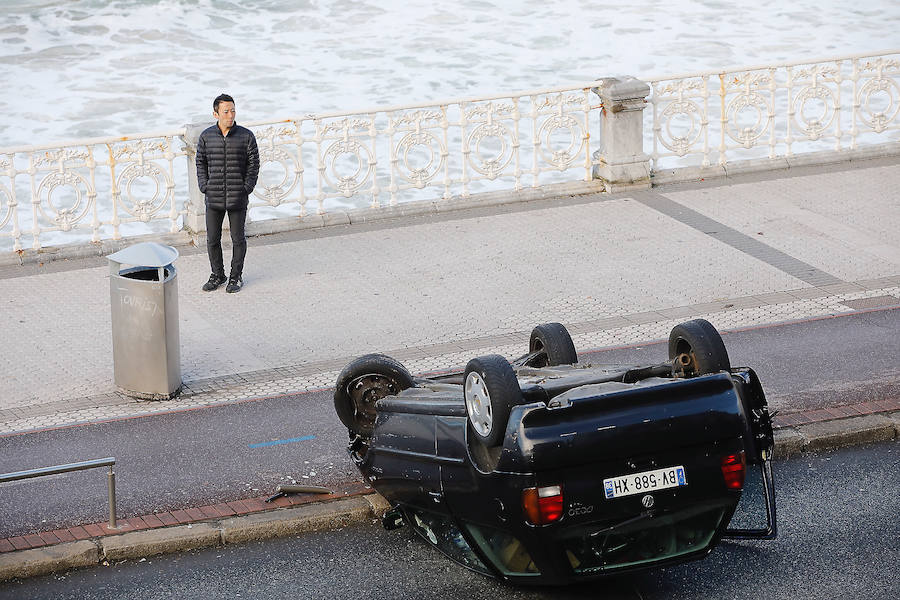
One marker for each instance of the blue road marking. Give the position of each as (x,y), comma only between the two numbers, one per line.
(279,442)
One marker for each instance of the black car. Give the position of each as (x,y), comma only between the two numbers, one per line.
(547,470)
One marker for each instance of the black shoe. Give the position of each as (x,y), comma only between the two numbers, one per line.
(214,282)
(234,284)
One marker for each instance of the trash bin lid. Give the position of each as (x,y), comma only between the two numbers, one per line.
(145,254)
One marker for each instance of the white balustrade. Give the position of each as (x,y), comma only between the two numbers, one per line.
(771,111)
(90,191)
(387,156)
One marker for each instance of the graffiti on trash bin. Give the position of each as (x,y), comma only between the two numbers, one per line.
(142,304)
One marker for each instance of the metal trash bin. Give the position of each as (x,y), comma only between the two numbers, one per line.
(143,298)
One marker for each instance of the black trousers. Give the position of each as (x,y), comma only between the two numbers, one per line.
(236,220)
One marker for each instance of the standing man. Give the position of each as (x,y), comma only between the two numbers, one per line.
(227,168)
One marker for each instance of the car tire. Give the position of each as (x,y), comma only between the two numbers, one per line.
(556,343)
(701,342)
(361,383)
(490,390)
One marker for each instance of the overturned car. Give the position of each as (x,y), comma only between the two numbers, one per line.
(547,470)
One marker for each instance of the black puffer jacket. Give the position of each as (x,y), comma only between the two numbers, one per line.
(227,167)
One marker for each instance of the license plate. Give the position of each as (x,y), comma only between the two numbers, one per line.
(646,481)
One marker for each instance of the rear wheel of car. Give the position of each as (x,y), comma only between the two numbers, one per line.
(555,344)
(363,382)
(702,346)
(490,389)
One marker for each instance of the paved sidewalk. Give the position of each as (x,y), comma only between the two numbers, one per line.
(615,268)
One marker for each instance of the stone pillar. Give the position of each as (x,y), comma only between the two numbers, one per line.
(195,222)
(622,162)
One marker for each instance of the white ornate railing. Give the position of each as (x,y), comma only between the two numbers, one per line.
(771,111)
(91,191)
(455,147)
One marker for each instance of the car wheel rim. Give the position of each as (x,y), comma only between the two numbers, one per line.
(364,391)
(478,404)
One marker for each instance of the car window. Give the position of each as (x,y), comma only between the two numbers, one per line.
(644,540)
(507,552)
(442,532)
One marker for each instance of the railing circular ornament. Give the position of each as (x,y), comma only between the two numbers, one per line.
(561,159)
(491,167)
(145,208)
(274,194)
(420,175)
(64,216)
(813,127)
(680,144)
(880,120)
(348,184)
(6,205)
(747,135)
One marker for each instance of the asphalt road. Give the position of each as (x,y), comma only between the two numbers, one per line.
(838,538)
(227,452)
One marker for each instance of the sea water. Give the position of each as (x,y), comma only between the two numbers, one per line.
(86,68)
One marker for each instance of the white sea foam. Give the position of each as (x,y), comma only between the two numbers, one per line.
(84,68)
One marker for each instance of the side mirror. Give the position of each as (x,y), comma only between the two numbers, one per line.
(392,519)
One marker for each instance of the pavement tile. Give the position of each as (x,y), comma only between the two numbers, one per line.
(820,414)
(167,519)
(869,407)
(774,298)
(889,404)
(841,288)
(195,514)
(6,545)
(19,543)
(256,504)
(34,540)
(94,530)
(64,535)
(210,512)
(281,502)
(224,510)
(80,533)
(808,293)
(238,507)
(792,419)
(137,523)
(152,521)
(122,525)
(49,537)
(182,516)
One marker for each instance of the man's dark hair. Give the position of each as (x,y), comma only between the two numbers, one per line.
(219,99)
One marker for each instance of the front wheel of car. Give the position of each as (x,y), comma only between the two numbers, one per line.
(363,382)
(555,345)
(491,390)
(701,345)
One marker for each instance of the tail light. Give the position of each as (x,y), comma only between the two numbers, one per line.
(734,466)
(542,505)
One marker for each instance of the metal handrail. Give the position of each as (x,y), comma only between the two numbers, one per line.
(78,466)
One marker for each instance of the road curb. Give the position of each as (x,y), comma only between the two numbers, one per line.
(139,544)
(280,522)
(838,433)
(291,521)
(340,512)
(49,559)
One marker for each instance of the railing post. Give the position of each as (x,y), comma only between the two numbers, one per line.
(111,484)
(195,222)
(622,163)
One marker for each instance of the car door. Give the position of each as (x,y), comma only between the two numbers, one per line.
(755,517)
